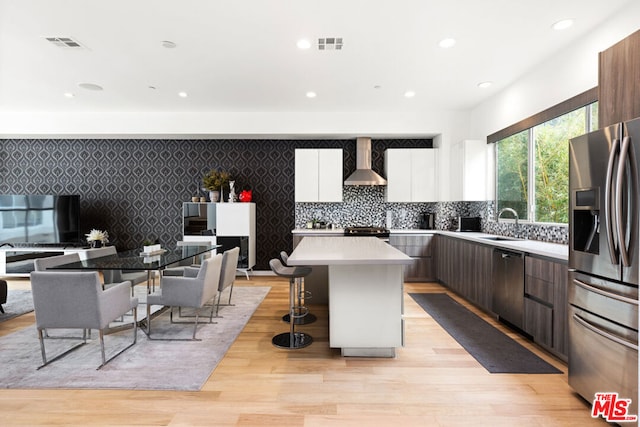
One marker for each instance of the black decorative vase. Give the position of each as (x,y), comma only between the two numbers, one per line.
(96,244)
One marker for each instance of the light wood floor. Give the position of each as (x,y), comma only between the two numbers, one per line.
(431,382)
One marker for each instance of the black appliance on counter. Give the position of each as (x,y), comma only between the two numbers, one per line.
(366,231)
(427,221)
(604,259)
(469,223)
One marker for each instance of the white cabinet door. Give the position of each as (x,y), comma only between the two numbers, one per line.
(475,183)
(423,176)
(398,170)
(410,175)
(235,219)
(318,175)
(330,179)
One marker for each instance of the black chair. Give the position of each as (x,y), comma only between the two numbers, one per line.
(3,294)
(302,296)
(291,339)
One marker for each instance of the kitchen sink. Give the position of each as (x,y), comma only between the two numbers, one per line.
(499,238)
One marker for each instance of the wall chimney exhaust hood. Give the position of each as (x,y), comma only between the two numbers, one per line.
(363,174)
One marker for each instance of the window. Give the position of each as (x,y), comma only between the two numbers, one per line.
(532,167)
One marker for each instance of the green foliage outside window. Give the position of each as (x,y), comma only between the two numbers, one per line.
(550,189)
(512,156)
(552,165)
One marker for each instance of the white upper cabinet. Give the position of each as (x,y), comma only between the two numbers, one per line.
(411,174)
(318,175)
(470,174)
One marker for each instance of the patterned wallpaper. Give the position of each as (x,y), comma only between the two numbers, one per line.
(134,188)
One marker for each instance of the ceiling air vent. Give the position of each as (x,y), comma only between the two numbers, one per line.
(65,42)
(330,43)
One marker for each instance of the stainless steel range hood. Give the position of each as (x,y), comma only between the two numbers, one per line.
(363,174)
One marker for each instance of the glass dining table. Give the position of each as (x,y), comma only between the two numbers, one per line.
(134,260)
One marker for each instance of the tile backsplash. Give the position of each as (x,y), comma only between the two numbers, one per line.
(363,205)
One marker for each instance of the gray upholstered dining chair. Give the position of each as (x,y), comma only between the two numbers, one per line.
(187,291)
(116,276)
(76,300)
(42,264)
(178,268)
(227,275)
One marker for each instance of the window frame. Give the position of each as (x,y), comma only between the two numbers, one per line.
(585,99)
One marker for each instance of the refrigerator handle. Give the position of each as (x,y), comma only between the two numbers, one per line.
(608,217)
(622,221)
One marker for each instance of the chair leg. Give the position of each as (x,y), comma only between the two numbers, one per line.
(104,359)
(45,362)
(44,354)
(195,324)
(135,339)
(148,319)
(195,327)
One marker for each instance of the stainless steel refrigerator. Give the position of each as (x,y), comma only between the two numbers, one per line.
(604,261)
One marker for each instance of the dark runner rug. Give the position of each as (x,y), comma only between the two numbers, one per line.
(491,348)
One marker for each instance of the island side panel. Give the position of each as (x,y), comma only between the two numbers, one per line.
(365,309)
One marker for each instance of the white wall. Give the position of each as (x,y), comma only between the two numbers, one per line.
(240,125)
(564,75)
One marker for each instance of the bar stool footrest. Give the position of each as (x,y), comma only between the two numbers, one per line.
(309,318)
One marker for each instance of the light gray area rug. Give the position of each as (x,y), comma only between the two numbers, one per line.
(148,365)
(19,301)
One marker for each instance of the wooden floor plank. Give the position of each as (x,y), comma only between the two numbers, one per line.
(432,381)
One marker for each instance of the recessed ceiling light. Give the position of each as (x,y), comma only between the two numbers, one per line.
(409,94)
(562,25)
(182,94)
(90,86)
(311,94)
(483,85)
(447,43)
(68,95)
(303,44)
(168,44)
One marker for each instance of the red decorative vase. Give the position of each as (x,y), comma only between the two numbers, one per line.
(245,196)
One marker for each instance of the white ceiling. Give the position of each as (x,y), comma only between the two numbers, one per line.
(241,55)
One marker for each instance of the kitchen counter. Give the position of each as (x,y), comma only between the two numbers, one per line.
(534,247)
(365,291)
(346,250)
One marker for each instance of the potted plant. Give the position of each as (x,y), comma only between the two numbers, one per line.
(150,246)
(97,238)
(213,181)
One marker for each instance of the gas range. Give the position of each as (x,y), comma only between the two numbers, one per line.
(366,231)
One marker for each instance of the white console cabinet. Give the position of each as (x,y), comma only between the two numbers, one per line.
(18,261)
(411,174)
(318,175)
(226,224)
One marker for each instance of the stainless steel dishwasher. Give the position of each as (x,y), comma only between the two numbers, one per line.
(508,286)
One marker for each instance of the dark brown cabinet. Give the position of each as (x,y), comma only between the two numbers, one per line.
(545,308)
(619,82)
(466,268)
(421,248)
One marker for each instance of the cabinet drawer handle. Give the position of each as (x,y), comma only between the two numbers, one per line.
(605,293)
(605,334)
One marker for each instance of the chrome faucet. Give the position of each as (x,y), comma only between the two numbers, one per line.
(515,214)
(513,211)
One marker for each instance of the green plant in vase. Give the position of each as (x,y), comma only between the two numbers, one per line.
(213,181)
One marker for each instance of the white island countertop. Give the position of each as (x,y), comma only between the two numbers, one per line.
(346,250)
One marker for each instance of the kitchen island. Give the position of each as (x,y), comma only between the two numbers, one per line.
(365,291)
